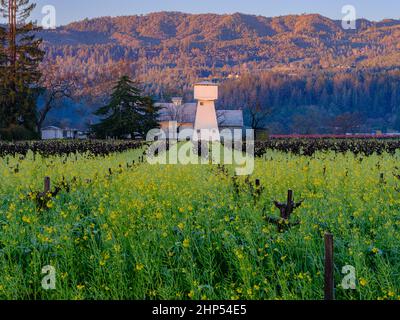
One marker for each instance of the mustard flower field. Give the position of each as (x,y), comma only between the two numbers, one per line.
(119,228)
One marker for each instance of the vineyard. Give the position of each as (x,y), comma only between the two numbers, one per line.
(309,147)
(60,148)
(115,227)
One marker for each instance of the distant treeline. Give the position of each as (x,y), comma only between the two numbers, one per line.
(312,103)
(304,103)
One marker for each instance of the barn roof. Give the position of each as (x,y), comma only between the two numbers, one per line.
(57,128)
(51,128)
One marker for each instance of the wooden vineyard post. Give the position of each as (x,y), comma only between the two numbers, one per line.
(47,185)
(382,178)
(329,280)
(289,205)
(235,184)
(257,190)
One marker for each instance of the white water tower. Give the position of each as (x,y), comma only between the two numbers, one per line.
(206,123)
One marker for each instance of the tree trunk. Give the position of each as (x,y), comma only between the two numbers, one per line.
(43,114)
(12,33)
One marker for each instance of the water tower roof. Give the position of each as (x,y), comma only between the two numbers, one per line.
(206,83)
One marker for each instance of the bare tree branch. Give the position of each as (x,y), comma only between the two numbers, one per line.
(57,86)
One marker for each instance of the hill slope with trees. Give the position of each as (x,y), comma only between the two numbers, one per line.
(313,62)
(205,45)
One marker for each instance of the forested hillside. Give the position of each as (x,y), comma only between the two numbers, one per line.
(316,103)
(288,62)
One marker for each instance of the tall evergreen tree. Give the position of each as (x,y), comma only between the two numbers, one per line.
(149,118)
(20,59)
(127,114)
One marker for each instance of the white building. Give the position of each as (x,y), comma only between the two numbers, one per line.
(199,116)
(51,132)
(206,124)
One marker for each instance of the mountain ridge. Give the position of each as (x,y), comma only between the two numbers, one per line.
(290,22)
(323,70)
(174,49)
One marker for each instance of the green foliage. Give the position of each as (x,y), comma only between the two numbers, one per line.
(183,232)
(127,114)
(14,132)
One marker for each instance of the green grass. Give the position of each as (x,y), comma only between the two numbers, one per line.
(182,232)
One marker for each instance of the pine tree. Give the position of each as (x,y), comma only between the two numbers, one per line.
(19,63)
(150,115)
(127,114)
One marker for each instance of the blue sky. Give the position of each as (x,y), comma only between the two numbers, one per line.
(72,10)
